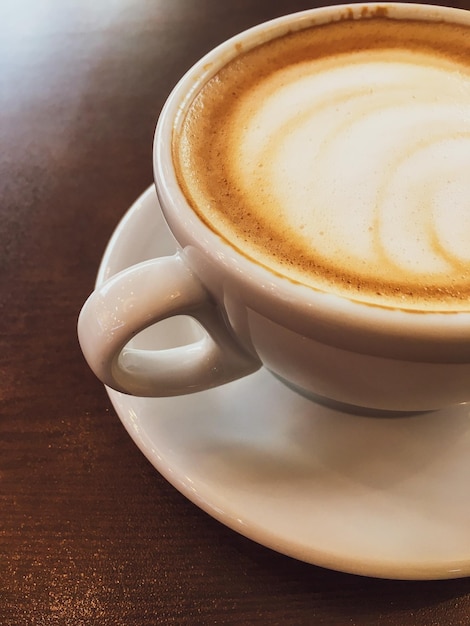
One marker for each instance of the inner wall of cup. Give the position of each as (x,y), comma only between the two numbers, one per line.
(211,63)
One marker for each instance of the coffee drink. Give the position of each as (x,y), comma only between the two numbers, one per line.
(338,156)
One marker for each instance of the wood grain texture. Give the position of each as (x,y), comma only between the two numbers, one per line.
(90,533)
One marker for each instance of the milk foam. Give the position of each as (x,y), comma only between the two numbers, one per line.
(354,171)
(359,162)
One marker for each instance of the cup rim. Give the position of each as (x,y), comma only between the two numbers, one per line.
(448,330)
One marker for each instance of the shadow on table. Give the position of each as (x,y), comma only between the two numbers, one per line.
(351,595)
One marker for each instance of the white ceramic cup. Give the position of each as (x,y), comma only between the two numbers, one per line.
(321,344)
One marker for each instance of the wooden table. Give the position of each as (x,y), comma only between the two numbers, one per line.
(90,533)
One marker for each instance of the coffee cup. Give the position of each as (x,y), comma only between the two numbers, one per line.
(314,173)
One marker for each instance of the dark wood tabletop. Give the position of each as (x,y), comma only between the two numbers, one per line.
(90,532)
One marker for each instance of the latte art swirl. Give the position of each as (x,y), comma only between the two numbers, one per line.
(374,177)
(348,172)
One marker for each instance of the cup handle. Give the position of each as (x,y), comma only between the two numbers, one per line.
(141,296)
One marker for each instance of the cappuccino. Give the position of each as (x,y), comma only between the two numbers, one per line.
(338,156)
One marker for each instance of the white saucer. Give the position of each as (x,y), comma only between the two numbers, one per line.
(386,497)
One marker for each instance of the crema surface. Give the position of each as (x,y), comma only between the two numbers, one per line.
(339,157)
